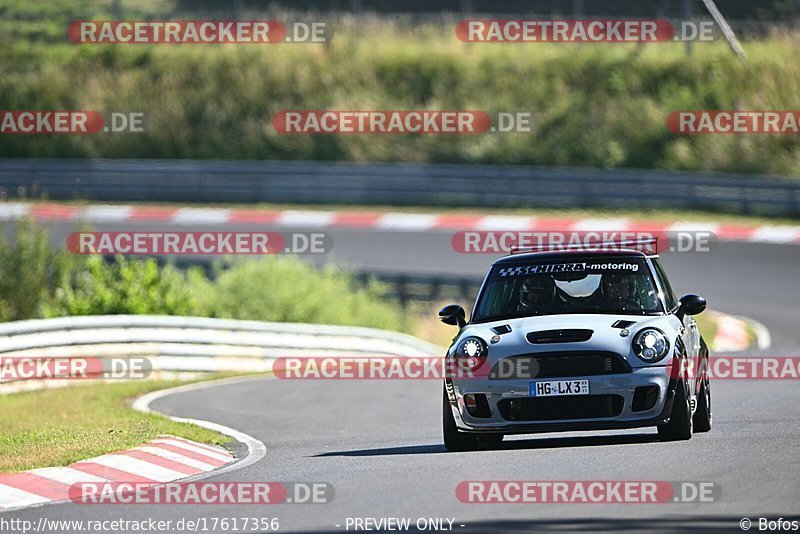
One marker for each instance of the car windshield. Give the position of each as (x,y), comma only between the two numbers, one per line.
(606,285)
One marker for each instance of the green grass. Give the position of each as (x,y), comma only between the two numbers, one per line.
(593,105)
(56,427)
(750,328)
(707,324)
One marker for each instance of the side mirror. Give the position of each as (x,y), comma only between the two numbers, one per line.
(454,315)
(691,305)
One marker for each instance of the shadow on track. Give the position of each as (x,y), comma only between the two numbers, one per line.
(541,443)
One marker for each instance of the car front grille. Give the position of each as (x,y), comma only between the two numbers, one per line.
(573,335)
(559,364)
(561,408)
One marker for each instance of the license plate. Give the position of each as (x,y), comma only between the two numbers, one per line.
(554,388)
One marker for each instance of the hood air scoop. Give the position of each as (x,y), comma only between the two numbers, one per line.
(559,336)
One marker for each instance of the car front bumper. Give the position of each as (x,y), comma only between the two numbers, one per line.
(513,410)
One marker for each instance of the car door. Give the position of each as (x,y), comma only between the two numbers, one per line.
(693,350)
(690,334)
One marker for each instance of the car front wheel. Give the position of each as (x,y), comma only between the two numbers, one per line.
(454,439)
(702,417)
(680,423)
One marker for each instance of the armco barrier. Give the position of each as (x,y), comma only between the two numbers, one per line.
(194,344)
(396,185)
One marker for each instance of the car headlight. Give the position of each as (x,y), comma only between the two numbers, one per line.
(471,352)
(650,345)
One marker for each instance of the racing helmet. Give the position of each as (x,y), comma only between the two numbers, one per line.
(537,291)
(620,286)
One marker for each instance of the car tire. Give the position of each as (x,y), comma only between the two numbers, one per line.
(454,439)
(680,423)
(702,417)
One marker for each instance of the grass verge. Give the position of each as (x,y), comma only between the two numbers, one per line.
(57,427)
(707,324)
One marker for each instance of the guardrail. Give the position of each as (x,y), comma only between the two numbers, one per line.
(192,344)
(408,288)
(397,185)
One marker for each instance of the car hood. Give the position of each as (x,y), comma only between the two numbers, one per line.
(605,337)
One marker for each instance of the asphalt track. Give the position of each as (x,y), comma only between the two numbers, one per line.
(379,443)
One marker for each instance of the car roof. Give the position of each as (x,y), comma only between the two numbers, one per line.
(571,254)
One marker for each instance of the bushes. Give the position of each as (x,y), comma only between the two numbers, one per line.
(30,273)
(37,281)
(288,290)
(94,287)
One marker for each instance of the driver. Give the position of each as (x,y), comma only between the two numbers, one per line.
(620,290)
(537,294)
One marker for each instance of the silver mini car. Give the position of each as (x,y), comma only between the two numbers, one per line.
(575,340)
